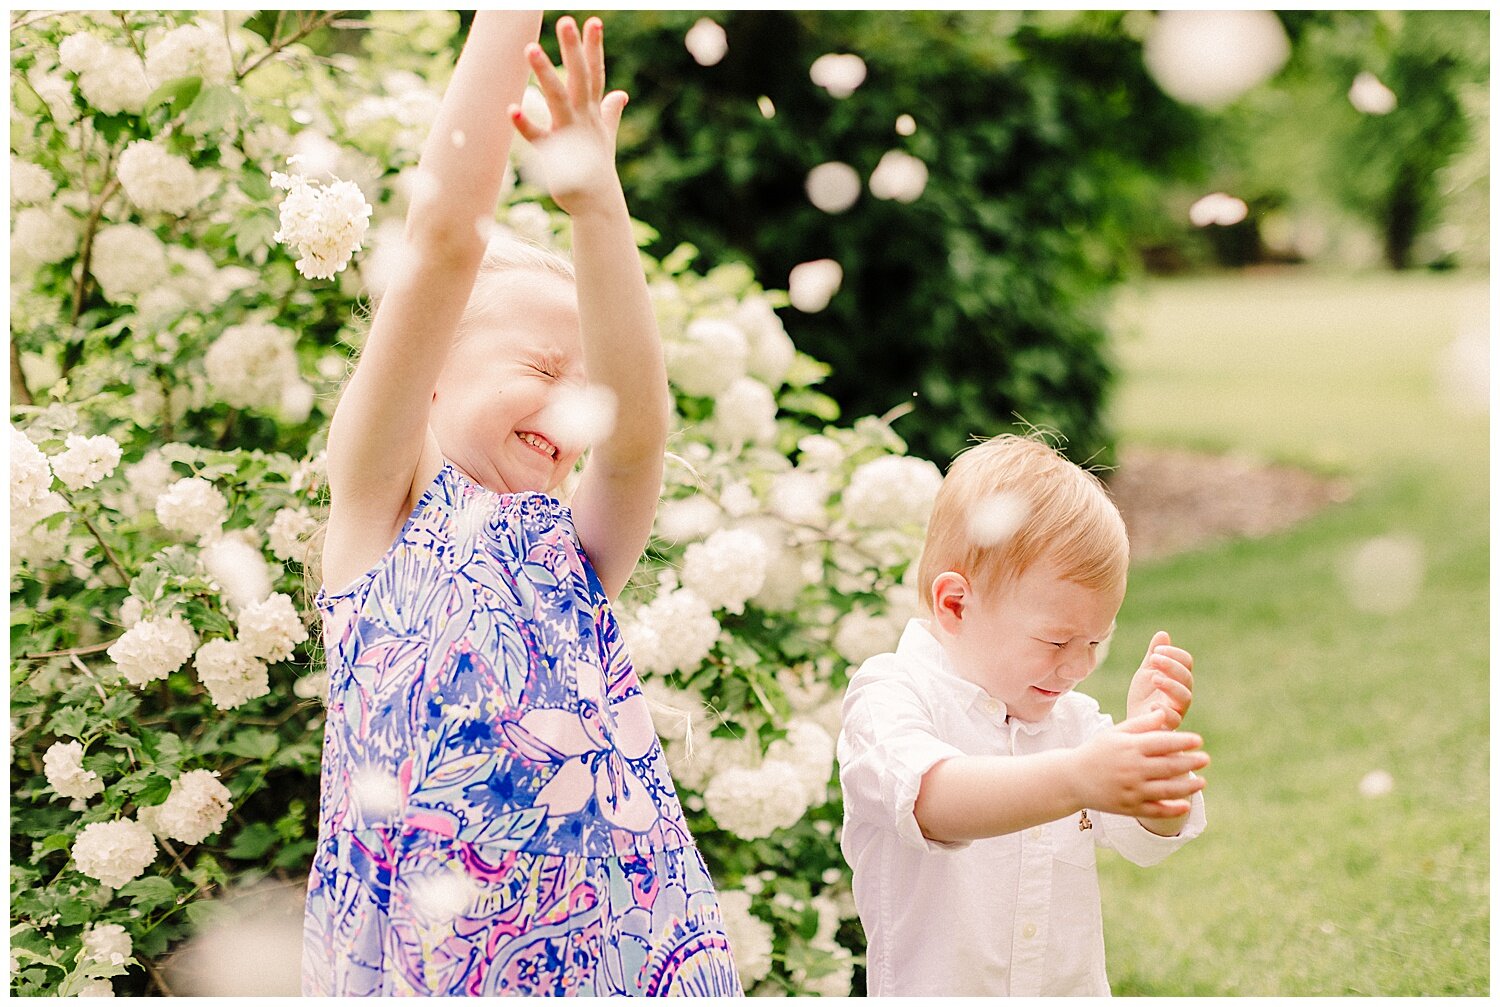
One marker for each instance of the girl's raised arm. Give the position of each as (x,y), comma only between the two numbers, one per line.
(380,427)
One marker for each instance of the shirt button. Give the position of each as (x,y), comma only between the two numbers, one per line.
(1028,931)
(991,706)
(1034,832)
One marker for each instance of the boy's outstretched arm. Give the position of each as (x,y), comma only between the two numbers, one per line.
(615,503)
(1134,769)
(380,426)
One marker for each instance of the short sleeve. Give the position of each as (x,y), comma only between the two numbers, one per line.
(1128,837)
(887,744)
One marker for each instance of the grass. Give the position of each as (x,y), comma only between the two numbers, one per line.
(1301,885)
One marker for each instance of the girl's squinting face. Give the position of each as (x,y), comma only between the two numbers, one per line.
(489,410)
(1032,638)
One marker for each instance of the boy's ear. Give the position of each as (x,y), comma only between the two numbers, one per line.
(950,599)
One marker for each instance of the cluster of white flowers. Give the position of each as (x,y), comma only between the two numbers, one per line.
(745,413)
(727,569)
(156,179)
(711,354)
(97,988)
(861,635)
(239,568)
(254,366)
(152,649)
(190,50)
(892,491)
(674,632)
(325,224)
(194,809)
(30,183)
(753,803)
(106,942)
(30,473)
(110,77)
(114,852)
(63,764)
(289,532)
(127,260)
(232,676)
(192,507)
(86,460)
(687,519)
(42,235)
(800,496)
(750,938)
(808,748)
(271,629)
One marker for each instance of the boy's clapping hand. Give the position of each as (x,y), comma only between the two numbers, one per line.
(1140,768)
(1164,682)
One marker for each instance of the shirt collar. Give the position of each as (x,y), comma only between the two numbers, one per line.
(921,646)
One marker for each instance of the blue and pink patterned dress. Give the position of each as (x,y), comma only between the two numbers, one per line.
(497,816)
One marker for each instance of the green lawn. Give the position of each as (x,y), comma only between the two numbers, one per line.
(1301,885)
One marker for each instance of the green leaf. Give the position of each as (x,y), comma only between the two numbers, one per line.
(178,93)
(811,402)
(213,110)
(203,912)
(154,792)
(60,841)
(253,842)
(255,184)
(111,126)
(69,722)
(253,744)
(295,855)
(253,234)
(148,893)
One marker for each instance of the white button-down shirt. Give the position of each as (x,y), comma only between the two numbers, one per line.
(1013,915)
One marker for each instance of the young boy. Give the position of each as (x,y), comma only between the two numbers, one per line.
(976,780)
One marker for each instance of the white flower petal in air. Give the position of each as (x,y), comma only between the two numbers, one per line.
(576,418)
(898,176)
(1384,575)
(1210,58)
(905,125)
(1376,783)
(376,794)
(242,573)
(838,73)
(811,285)
(995,519)
(833,186)
(316,155)
(1218,208)
(767,107)
(707,41)
(1369,95)
(562,162)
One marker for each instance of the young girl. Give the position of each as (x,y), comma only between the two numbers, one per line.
(497,816)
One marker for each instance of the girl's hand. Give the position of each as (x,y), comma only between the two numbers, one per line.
(578,151)
(1164,682)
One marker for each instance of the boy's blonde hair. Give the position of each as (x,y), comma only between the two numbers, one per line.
(1013,501)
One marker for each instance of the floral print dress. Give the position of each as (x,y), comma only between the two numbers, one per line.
(496,813)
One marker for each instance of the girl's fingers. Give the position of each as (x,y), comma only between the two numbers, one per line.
(570,46)
(524,126)
(613,106)
(593,51)
(547,80)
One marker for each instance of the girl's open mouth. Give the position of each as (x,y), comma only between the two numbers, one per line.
(537,443)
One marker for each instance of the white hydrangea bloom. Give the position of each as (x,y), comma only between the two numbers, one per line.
(745,412)
(230,674)
(30,183)
(55,91)
(192,507)
(753,803)
(127,260)
(711,354)
(694,766)
(771,349)
(132,612)
(34,543)
(818,451)
(63,765)
(808,749)
(156,179)
(860,636)
(30,472)
(892,491)
(194,810)
(43,235)
(114,852)
(81,51)
(727,569)
(250,366)
(673,633)
(800,497)
(149,478)
(271,629)
(688,519)
(324,224)
(240,569)
(116,82)
(289,532)
(106,942)
(750,937)
(189,50)
(97,988)
(86,460)
(152,649)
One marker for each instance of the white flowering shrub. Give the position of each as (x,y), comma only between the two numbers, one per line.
(192,195)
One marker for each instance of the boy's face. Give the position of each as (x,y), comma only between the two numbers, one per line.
(1029,639)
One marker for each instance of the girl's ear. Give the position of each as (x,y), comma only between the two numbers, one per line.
(950,599)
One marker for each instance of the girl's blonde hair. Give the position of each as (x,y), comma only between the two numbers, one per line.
(505,253)
(1060,513)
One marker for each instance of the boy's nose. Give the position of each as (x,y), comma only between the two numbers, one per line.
(1076,669)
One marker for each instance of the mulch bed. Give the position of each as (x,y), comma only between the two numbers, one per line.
(1176,501)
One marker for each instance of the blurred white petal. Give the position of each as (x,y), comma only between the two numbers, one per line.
(833,186)
(707,42)
(1212,57)
(812,285)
